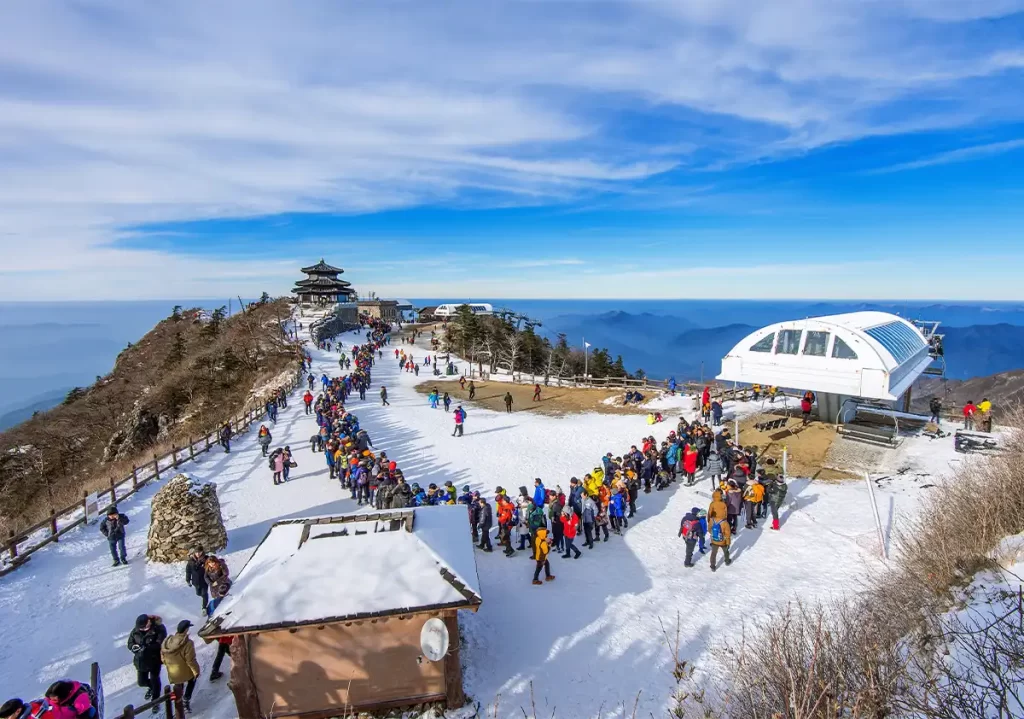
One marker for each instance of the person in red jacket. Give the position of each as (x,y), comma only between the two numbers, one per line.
(705,398)
(308,399)
(570,525)
(689,464)
(536,393)
(969,411)
(805,409)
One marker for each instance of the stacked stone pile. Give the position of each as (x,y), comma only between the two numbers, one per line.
(186,514)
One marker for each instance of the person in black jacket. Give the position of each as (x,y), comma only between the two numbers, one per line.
(195,574)
(225,437)
(113,529)
(485,521)
(144,643)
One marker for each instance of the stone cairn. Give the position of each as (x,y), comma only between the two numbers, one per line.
(186,514)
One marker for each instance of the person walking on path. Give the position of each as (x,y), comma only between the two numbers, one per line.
(144,643)
(195,575)
(935,407)
(447,400)
(721,538)
(970,409)
(384,397)
(689,530)
(536,393)
(223,650)
(113,529)
(460,421)
(264,438)
(307,399)
(540,555)
(472,390)
(178,653)
(508,402)
(225,437)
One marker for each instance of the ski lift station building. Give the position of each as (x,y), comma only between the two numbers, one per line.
(337,615)
(874,356)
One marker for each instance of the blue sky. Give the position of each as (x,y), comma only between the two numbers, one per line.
(654,149)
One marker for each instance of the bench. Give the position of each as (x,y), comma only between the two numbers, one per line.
(771,424)
(870,433)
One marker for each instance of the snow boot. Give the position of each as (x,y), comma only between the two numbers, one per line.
(714,568)
(537,581)
(116,564)
(550,579)
(775,524)
(214,676)
(188,705)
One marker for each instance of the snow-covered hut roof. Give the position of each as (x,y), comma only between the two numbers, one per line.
(352,567)
(874,355)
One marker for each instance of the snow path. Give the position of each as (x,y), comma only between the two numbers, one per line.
(587,642)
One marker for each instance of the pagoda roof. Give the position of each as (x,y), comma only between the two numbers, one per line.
(323,268)
(322,291)
(323,282)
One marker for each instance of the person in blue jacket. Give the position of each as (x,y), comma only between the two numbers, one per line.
(616,511)
(672,385)
(540,495)
(716,412)
(702,515)
(672,457)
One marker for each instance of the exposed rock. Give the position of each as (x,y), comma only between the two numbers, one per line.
(185,514)
(140,429)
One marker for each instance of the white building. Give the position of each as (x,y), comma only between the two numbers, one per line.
(450,310)
(870,355)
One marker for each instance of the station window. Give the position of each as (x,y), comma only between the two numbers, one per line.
(789,342)
(816,344)
(764,344)
(841,350)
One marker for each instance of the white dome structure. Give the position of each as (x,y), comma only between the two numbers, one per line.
(870,355)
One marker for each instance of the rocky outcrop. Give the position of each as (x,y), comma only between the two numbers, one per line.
(186,514)
(140,429)
(343,320)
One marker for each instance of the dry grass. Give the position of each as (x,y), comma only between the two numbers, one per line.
(875,655)
(553,401)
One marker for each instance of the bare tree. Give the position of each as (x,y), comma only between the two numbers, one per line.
(512,347)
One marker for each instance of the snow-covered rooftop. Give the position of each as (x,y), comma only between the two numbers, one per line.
(874,355)
(367,564)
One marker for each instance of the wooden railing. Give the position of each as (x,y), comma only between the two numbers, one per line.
(22,544)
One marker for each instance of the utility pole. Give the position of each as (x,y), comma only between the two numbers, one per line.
(586,356)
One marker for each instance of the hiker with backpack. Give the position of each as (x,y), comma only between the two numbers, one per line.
(460,421)
(144,643)
(225,437)
(753,495)
(195,574)
(721,538)
(218,579)
(277,465)
(690,531)
(485,519)
(775,493)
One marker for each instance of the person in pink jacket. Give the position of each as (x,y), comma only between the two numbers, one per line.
(70,700)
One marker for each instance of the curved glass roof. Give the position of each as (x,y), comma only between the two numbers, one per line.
(898,339)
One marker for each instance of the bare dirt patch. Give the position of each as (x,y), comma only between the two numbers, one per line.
(553,400)
(808,447)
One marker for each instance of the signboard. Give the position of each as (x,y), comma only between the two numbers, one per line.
(434,639)
(92,508)
(96,678)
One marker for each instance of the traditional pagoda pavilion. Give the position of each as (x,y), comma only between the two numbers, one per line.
(322,285)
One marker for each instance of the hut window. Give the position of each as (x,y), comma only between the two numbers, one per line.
(816,344)
(841,350)
(789,342)
(764,344)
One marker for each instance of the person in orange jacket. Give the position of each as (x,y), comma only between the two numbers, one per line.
(307,398)
(505,513)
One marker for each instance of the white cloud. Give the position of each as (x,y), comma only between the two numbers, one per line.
(114,113)
(962,154)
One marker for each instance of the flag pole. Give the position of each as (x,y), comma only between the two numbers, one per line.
(585,357)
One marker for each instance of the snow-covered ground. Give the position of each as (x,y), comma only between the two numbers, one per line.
(587,642)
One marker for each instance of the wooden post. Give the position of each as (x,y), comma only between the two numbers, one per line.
(85,503)
(128,713)
(169,708)
(455,696)
(156,467)
(135,477)
(191,449)
(53,524)
(12,544)
(113,491)
(207,443)
(241,682)
(174,456)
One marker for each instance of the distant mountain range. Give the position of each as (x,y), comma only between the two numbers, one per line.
(39,403)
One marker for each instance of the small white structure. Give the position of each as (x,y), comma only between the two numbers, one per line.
(450,310)
(869,355)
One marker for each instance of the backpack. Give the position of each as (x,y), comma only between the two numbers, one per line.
(691,529)
(716,532)
(94,699)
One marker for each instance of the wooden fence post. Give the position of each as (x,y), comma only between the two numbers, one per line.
(178,706)
(53,524)
(207,443)
(135,477)
(128,713)
(174,456)
(85,503)
(113,491)
(156,467)
(191,449)
(12,545)
(168,700)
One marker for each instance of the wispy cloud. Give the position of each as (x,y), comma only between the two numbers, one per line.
(963,154)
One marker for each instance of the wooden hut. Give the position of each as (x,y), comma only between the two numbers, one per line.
(328,613)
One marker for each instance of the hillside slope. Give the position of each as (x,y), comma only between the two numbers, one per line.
(182,379)
(1004,389)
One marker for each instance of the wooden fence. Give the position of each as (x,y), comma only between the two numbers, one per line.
(718,390)
(62,521)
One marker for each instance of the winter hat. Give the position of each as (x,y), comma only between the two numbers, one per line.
(112,511)
(183,626)
(574,481)
(695,510)
(141,621)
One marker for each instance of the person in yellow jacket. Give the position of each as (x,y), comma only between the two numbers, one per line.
(178,654)
(717,510)
(598,475)
(753,496)
(591,485)
(985,415)
(757,392)
(720,529)
(541,548)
